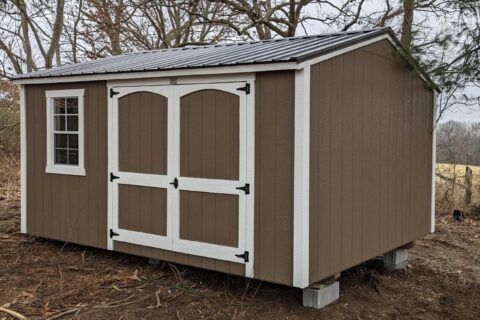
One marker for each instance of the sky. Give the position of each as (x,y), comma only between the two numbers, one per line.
(463,113)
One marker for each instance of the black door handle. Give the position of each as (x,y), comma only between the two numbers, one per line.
(245,188)
(174,183)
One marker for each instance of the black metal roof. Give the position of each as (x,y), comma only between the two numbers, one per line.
(295,49)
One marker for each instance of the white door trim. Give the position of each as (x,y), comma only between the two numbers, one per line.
(217,185)
(246,152)
(139,179)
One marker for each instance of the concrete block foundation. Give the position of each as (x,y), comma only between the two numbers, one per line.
(321,295)
(396,259)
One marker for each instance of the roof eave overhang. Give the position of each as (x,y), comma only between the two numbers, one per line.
(200,71)
(235,69)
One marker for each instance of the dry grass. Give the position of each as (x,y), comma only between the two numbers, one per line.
(450,188)
(9,178)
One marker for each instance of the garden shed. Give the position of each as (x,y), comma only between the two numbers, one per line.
(286,160)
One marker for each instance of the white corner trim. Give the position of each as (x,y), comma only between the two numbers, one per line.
(23,161)
(301,194)
(51,167)
(434,160)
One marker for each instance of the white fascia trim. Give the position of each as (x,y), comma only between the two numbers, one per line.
(23,161)
(434,160)
(51,167)
(166,73)
(184,80)
(301,194)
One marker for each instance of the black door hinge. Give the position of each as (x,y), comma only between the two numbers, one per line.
(112,93)
(245,188)
(174,183)
(113,234)
(246,88)
(243,256)
(113,177)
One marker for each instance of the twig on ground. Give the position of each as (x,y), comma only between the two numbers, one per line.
(13,313)
(176,272)
(473,300)
(159,304)
(64,313)
(120,304)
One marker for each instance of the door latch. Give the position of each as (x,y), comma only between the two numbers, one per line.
(113,234)
(113,177)
(243,256)
(112,93)
(246,88)
(245,188)
(174,183)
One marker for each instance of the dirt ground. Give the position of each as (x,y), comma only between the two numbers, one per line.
(47,279)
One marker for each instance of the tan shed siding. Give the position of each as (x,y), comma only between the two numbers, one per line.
(142,209)
(274,129)
(209,218)
(63,207)
(209,135)
(142,118)
(370,158)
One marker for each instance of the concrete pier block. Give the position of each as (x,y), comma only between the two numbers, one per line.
(318,296)
(396,259)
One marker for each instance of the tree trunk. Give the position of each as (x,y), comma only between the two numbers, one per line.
(468,186)
(56,34)
(406,39)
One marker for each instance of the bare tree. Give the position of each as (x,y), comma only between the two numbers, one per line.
(31,30)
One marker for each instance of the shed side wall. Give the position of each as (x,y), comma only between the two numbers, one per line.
(65,207)
(370,158)
(274,145)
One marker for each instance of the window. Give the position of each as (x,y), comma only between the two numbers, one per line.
(65,132)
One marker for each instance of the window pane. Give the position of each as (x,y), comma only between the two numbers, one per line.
(73,141)
(72,123)
(61,156)
(59,104)
(60,140)
(59,123)
(72,105)
(73,157)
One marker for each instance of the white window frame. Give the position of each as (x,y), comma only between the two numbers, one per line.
(52,167)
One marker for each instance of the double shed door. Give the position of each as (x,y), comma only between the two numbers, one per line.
(178,169)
